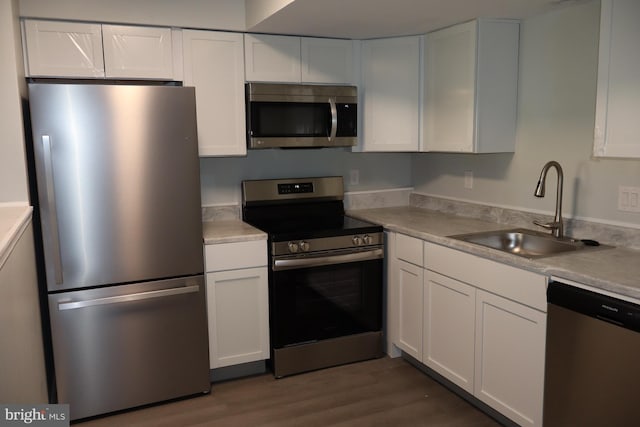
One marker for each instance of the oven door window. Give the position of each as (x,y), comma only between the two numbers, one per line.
(312,304)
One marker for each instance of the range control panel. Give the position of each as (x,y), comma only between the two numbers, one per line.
(297,188)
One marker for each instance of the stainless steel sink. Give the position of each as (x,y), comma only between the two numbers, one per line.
(526,243)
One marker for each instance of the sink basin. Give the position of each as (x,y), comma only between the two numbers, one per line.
(525,243)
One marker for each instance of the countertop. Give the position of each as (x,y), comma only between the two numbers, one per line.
(13,221)
(616,270)
(227,231)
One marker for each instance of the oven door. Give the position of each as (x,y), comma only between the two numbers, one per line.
(317,298)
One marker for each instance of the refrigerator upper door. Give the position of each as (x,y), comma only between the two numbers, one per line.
(118,180)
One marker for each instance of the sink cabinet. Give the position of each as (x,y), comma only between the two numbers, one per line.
(483,323)
(237,302)
(509,308)
(449,328)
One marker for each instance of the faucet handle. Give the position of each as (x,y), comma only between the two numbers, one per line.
(554,226)
(548,225)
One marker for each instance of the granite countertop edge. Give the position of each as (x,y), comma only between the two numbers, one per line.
(230,231)
(613,269)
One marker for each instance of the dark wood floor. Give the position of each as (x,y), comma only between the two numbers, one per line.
(381,392)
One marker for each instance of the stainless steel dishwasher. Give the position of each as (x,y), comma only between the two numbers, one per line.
(592,359)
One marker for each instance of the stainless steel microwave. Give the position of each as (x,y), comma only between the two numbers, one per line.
(301,116)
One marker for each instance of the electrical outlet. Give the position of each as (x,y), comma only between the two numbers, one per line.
(468,179)
(629,199)
(354,177)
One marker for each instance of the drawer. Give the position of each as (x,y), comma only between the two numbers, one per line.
(510,282)
(235,255)
(409,249)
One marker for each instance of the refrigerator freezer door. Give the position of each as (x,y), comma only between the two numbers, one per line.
(118,180)
(123,346)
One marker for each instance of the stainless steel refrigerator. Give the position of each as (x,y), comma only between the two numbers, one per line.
(119,198)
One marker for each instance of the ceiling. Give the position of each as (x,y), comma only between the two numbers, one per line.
(365,19)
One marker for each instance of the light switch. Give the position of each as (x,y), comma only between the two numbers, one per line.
(629,199)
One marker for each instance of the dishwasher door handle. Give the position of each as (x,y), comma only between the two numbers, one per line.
(72,305)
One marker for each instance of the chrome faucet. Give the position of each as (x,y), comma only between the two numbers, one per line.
(556,226)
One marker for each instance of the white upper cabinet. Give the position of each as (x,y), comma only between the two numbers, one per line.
(618,95)
(69,49)
(470,87)
(63,49)
(327,60)
(390,89)
(288,59)
(214,65)
(272,58)
(137,52)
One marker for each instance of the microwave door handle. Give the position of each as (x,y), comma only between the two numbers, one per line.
(334,119)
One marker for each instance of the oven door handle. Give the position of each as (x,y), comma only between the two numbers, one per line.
(291,263)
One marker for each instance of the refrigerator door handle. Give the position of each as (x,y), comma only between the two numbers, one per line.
(72,305)
(53,216)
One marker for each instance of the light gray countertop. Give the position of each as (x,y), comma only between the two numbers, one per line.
(615,270)
(13,221)
(227,231)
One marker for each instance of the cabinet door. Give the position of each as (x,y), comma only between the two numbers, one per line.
(617,107)
(214,65)
(410,288)
(238,310)
(449,328)
(137,52)
(327,60)
(391,93)
(471,87)
(509,371)
(63,49)
(272,58)
(449,85)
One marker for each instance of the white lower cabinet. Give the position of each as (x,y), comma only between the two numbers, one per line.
(410,290)
(478,323)
(449,328)
(509,368)
(237,303)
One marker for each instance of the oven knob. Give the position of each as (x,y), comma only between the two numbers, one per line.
(357,240)
(366,239)
(293,247)
(304,246)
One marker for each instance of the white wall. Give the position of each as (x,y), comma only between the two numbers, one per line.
(556,110)
(207,14)
(13,177)
(221,176)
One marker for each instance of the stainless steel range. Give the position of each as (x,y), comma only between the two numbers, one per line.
(325,276)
